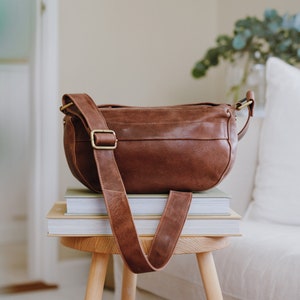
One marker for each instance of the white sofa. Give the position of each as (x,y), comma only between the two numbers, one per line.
(265,262)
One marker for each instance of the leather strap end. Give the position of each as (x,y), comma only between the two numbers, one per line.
(248,102)
(250,97)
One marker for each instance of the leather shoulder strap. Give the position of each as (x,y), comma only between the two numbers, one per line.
(173,218)
(249,103)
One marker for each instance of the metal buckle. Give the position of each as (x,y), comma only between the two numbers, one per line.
(243,103)
(62,108)
(103,147)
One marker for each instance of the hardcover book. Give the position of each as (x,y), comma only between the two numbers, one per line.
(210,202)
(62,224)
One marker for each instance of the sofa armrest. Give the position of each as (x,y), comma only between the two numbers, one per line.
(240,181)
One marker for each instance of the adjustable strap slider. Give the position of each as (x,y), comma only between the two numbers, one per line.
(243,103)
(103,139)
(247,102)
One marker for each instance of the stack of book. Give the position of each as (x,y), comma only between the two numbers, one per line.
(84,213)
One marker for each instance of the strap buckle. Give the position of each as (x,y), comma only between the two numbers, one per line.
(64,107)
(243,103)
(101,147)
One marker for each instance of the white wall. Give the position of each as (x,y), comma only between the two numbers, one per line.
(136,52)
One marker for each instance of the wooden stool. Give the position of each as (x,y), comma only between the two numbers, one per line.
(104,246)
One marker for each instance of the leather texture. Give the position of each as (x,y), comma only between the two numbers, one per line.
(181,148)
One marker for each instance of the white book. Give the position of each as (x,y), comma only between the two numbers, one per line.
(210,202)
(62,224)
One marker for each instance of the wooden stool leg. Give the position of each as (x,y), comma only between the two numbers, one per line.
(95,285)
(128,284)
(209,276)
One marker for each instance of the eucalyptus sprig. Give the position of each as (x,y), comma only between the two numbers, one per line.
(259,39)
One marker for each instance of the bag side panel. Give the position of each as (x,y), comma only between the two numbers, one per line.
(79,153)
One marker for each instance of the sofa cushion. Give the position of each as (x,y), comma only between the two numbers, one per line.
(263,264)
(277,183)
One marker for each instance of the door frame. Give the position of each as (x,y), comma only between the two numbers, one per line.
(43,251)
(43,258)
(43,191)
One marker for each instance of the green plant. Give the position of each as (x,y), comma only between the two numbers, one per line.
(274,35)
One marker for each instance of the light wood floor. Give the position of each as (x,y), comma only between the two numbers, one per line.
(74,293)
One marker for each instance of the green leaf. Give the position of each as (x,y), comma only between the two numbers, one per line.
(239,42)
(283,46)
(213,56)
(246,23)
(247,33)
(287,21)
(270,14)
(223,40)
(274,27)
(258,29)
(297,22)
(199,70)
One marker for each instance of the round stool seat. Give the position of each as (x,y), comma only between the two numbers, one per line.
(108,245)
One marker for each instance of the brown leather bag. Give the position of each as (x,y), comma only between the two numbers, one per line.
(113,149)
